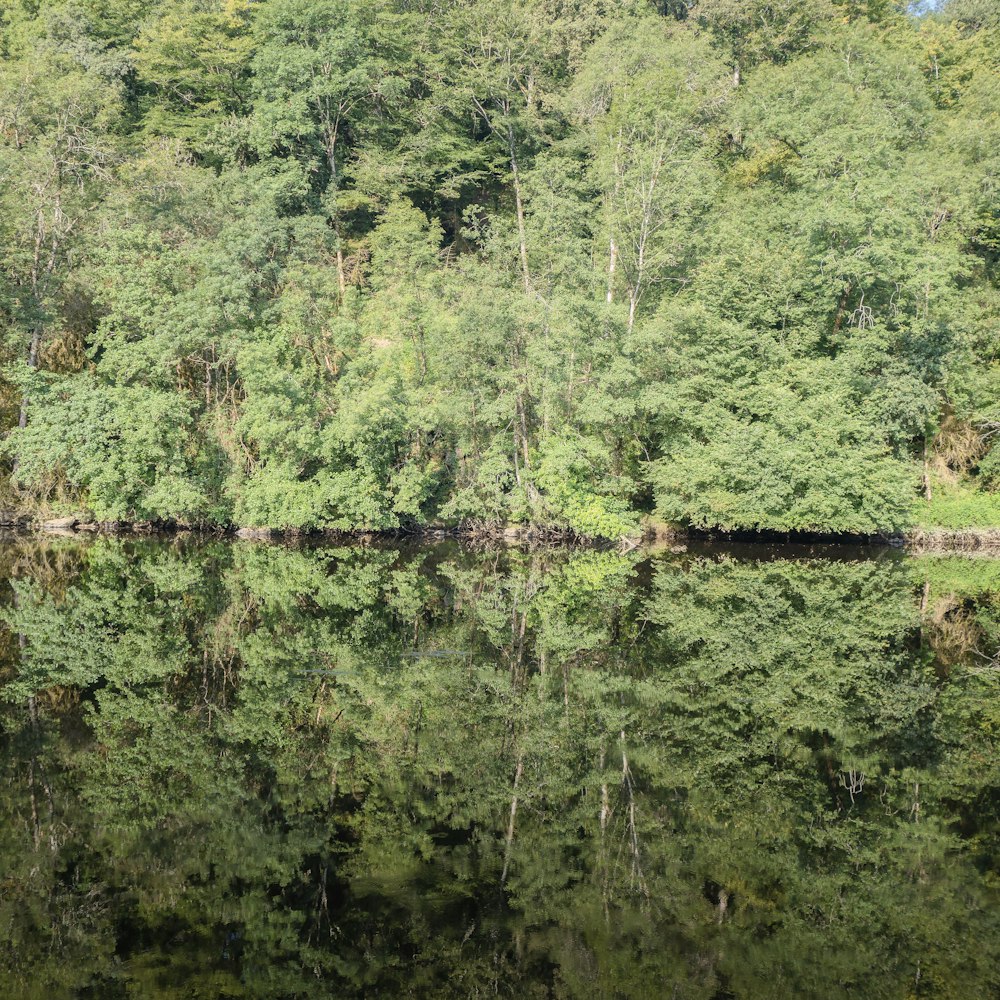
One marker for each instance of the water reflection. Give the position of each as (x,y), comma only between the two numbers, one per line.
(233,770)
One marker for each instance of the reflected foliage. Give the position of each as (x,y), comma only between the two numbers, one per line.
(261,772)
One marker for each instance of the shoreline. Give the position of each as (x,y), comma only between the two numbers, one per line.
(916,540)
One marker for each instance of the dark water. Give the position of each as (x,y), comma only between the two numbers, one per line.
(232,770)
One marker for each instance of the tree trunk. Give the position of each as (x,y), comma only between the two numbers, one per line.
(841,308)
(513,815)
(331,159)
(341,278)
(612,264)
(519,205)
(33,350)
(523,422)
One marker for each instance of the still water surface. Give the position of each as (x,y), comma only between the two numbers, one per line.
(237,770)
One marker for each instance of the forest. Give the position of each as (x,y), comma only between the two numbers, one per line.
(577,264)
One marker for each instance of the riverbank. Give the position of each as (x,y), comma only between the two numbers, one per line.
(652,534)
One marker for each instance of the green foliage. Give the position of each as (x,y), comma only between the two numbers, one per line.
(134,450)
(958,576)
(266,771)
(564,474)
(959,507)
(741,452)
(193,62)
(369,264)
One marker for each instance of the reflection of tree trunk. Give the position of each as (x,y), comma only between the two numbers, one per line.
(22,643)
(633,831)
(36,767)
(513,814)
(323,902)
(604,816)
(518,630)
(35,825)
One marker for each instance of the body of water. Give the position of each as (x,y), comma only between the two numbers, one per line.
(252,771)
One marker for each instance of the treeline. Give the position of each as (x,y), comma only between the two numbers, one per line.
(371,263)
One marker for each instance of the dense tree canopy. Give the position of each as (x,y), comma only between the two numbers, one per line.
(328,264)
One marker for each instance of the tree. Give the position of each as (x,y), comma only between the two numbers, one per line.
(319,70)
(55,157)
